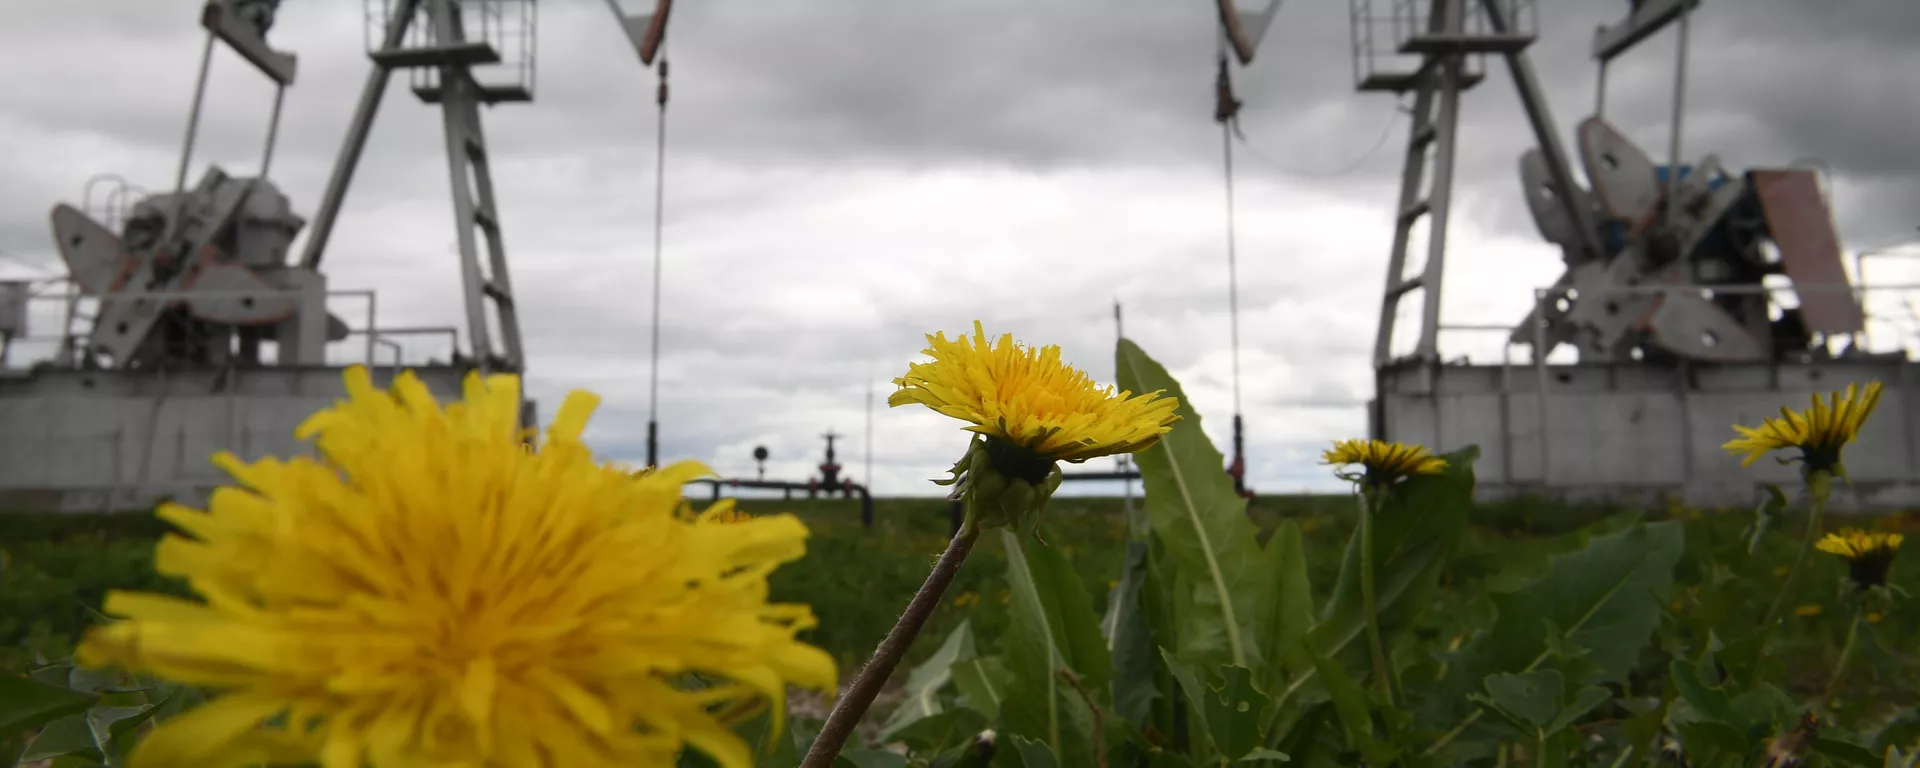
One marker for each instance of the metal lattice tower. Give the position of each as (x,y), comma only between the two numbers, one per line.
(1435,49)
(441,43)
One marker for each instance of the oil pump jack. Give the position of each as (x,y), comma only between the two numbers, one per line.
(1693,296)
(207,331)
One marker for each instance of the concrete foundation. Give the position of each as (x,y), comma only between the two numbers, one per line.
(93,441)
(1634,433)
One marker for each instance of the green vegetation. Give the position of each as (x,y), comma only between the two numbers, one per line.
(856,579)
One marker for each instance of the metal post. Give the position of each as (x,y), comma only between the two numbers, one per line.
(193,117)
(1534,100)
(1679,109)
(1540,385)
(356,140)
(273,129)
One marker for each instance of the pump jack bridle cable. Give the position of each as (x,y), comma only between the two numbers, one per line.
(1226,112)
(659,208)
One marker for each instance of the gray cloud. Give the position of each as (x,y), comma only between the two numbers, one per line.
(845,177)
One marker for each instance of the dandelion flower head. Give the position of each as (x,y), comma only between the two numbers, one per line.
(1028,397)
(433,592)
(1869,555)
(1381,462)
(1819,432)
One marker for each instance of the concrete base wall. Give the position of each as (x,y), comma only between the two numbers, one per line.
(113,441)
(1636,434)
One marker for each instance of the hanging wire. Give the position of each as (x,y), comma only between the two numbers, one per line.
(659,210)
(1386,132)
(1233,265)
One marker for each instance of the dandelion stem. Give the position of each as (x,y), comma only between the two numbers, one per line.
(1846,655)
(853,706)
(1371,499)
(1819,483)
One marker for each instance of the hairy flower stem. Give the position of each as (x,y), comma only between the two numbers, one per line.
(1846,655)
(1819,483)
(852,707)
(1371,500)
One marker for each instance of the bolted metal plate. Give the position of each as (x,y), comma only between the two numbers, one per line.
(1623,177)
(1693,327)
(227,300)
(95,256)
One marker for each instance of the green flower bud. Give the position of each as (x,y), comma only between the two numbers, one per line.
(1002,484)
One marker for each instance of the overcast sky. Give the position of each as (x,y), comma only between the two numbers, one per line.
(843,177)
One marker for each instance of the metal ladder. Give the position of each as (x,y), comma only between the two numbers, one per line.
(475,209)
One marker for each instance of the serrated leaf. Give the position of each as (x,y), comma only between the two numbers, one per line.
(26,704)
(1532,698)
(1022,752)
(1584,700)
(1709,741)
(1349,702)
(1191,687)
(1130,637)
(984,683)
(66,736)
(1202,522)
(1265,755)
(1051,625)
(948,729)
(1607,597)
(869,758)
(1699,686)
(1233,712)
(925,681)
(1287,614)
(1846,752)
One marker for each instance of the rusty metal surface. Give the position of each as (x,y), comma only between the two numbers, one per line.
(1803,228)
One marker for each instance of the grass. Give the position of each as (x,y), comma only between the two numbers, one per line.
(857,580)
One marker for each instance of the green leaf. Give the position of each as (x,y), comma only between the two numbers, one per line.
(1263,754)
(26,704)
(1203,524)
(1775,501)
(1418,527)
(1193,690)
(1698,684)
(69,735)
(1606,597)
(1846,752)
(1709,741)
(984,682)
(1021,752)
(1584,700)
(976,752)
(1130,638)
(925,681)
(1533,697)
(771,750)
(951,728)
(1233,712)
(1051,625)
(1349,702)
(1287,613)
(869,758)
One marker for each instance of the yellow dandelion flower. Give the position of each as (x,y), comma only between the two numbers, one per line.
(1028,411)
(1873,617)
(1809,609)
(1030,398)
(433,592)
(1819,432)
(723,512)
(1869,555)
(1381,462)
